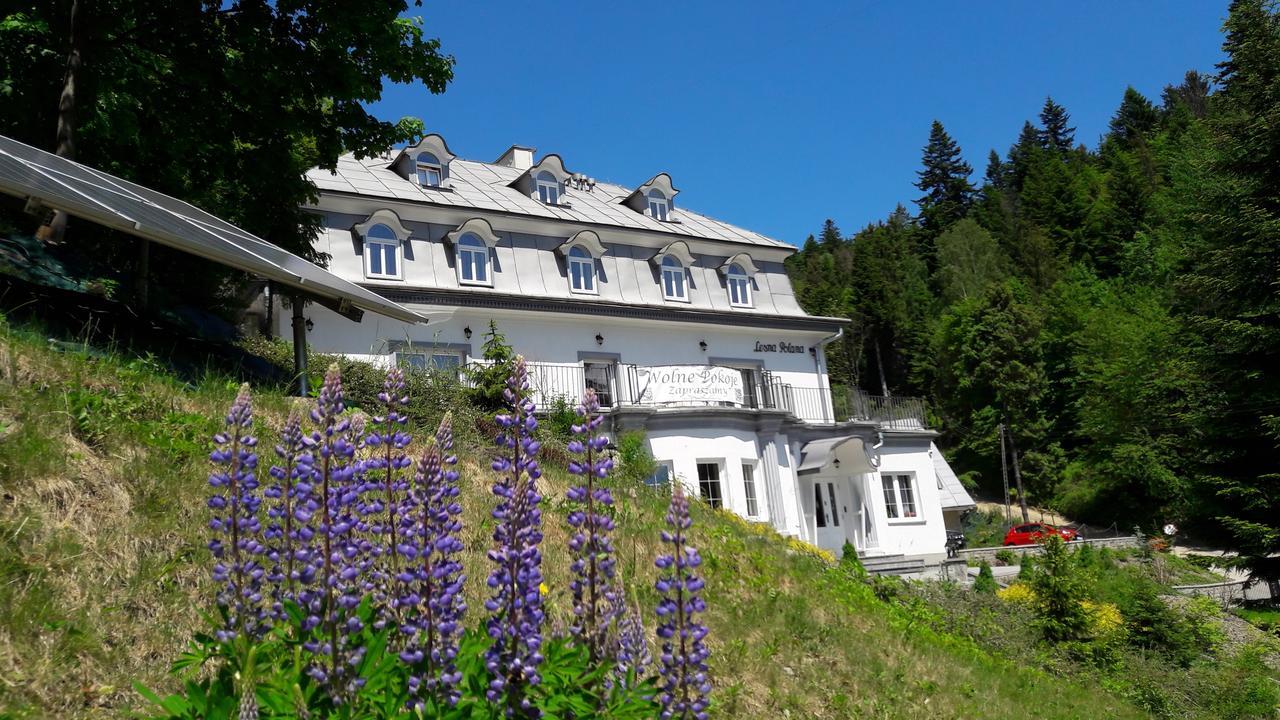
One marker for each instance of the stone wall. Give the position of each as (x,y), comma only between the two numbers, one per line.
(989,553)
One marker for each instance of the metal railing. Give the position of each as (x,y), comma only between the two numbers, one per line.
(618,384)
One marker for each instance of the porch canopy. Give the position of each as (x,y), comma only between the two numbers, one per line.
(47,181)
(846,455)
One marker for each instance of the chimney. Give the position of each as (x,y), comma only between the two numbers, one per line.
(518,157)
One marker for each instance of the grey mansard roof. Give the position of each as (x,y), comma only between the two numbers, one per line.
(485,186)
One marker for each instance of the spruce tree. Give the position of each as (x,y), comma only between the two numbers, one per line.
(944,180)
(1230,292)
(1055,134)
(1021,154)
(831,236)
(1134,119)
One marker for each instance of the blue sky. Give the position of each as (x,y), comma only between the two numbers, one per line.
(774,116)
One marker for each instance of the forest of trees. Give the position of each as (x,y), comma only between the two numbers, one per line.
(1117,307)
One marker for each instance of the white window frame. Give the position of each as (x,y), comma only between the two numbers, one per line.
(658,465)
(718,464)
(547,188)
(585,264)
(750,488)
(383,245)
(738,283)
(469,248)
(659,206)
(425,167)
(428,359)
(896,509)
(677,271)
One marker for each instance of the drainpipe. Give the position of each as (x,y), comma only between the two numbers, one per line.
(875,456)
(817,367)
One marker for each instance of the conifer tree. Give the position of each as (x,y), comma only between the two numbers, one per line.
(944,180)
(1056,134)
(831,236)
(1021,155)
(1135,117)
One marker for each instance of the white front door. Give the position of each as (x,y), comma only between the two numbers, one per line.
(830,513)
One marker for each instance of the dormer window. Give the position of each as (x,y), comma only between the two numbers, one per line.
(673,286)
(582,271)
(739,286)
(383,238)
(658,205)
(548,188)
(381,253)
(473,261)
(430,170)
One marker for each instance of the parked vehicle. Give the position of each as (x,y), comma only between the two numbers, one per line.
(955,542)
(1031,533)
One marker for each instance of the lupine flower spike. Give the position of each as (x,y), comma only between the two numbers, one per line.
(291,511)
(595,594)
(438,623)
(684,685)
(392,505)
(338,569)
(630,650)
(236,529)
(515,623)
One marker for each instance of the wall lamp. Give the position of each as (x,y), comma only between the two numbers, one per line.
(599,339)
(310,325)
(466,332)
(702,344)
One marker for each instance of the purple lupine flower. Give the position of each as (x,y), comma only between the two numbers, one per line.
(515,624)
(391,508)
(437,626)
(290,530)
(595,594)
(683,686)
(329,608)
(630,648)
(234,504)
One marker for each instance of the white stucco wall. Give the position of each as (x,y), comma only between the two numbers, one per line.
(922,535)
(687,447)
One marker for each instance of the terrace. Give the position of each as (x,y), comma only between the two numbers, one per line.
(624,385)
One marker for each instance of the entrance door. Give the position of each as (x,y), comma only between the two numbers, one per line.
(828,514)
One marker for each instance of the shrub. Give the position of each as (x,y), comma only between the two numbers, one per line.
(1019,593)
(850,561)
(633,453)
(489,380)
(1059,594)
(985,582)
(1005,556)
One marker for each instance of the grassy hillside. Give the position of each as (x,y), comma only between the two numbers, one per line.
(103,571)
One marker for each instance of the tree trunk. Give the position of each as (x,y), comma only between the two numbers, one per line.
(1017,476)
(884,384)
(143,281)
(1004,474)
(53,230)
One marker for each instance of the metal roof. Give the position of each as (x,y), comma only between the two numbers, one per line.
(950,489)
(79,190)
(485,186)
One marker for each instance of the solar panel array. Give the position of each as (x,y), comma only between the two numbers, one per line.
(116,203)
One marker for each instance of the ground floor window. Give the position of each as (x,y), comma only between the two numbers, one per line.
(661,476)
(749,489)
(427,360)
(709,483)
(819,509)
(835,511)
(899,495)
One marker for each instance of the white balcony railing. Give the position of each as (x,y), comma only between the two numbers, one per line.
(618,385)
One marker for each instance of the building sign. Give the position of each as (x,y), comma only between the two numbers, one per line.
(782,346)
(689,384)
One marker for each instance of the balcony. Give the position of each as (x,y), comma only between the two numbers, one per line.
(623,385)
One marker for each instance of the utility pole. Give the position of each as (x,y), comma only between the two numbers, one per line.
(1004,474)
(1022,494)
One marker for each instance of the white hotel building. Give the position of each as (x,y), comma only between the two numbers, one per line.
(687,328)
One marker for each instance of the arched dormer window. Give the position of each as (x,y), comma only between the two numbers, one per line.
(582,271)
(473,261)
(430,170)
(658,205)
(381,253)
(548,188)
(738,272)
(739,286)
(473,243)
(383,238)
(425,163)
(673,285)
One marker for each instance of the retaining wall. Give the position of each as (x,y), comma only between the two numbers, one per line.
(989,553)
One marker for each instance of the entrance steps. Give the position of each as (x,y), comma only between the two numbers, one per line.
(892,564)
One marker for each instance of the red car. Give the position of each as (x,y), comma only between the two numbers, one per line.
(1031,533)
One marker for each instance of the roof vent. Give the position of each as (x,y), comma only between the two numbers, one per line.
(518,157)
(578,181)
